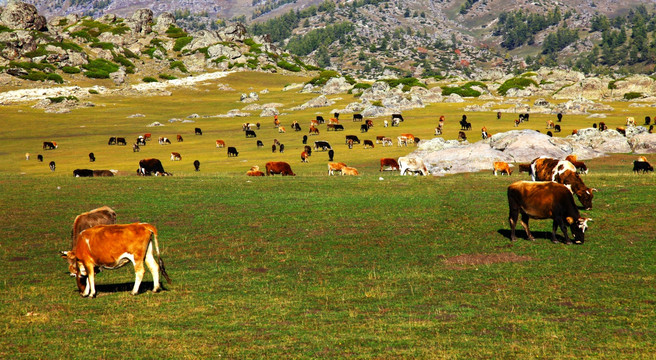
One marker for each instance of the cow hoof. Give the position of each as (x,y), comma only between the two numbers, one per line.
(554,241)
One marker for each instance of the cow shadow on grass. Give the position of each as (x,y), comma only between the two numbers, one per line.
(538,235)
(146,286)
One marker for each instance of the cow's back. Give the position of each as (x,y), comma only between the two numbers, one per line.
(100,216)
(106,243)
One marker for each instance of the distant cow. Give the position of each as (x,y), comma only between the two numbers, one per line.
(164,141)
(49,145)
(179,137)
(197,165)
(250,134)
(621,130)
(335,166)
(462,136)
(135,148)
(259,143)
(335,127)
(232,151)
(545,200)
(563,172)
(642,166)
(413,165)
(331,154)
(560,117)
(82,173)
(296,126)
(647,120)
(350,171)
(357,117)
(323,145)
(92,157)
(147,136)
(112,141)
(320,119)
(308,150)
(198,131)
(176,156)
(502,166)
(387,141)
(550,124)
(278,167)
(398,117)
(220,144)
(121,141)
(304,157)
(39,157)
(282,148)
(273,148)
(304,139)
(549,133)
(364,128)
(141,141)
(281,129)
(104,173)
(602,126)
(112,246)
(52,166)
(557,128)
(630,121)
(100,216)
(524,168)
(368,143)
(388,164)
(353,138)
(313,131)
(151,166)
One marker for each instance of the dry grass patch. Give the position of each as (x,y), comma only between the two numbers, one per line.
(461,261)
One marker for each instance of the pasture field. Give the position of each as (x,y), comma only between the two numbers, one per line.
(312,266)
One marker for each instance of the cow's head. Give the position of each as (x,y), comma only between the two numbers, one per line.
(585,196)
(75,268)
(578,228)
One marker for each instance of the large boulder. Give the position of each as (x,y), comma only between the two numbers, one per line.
(526,145)
(19,15)
(609,141)
(140,22)
(468,158)
(643,143)
(219,50)
(17,43)
(336,85)
(163,22)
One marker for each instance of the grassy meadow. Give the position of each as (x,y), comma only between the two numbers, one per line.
(312,266)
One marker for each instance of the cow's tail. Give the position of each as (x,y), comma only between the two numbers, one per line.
(160,262)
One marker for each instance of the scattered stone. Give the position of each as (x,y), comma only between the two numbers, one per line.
(136,116)
(153,124)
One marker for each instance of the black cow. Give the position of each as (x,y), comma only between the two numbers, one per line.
(308,150)
(52,166)
(260,144)
(560,117)
(557,128)
(141,141)
(357,117)
(121,141)
(549,134)
(135,148)
(320,119)
(112,141)
(323,145)
(397,116)
(151,166)
(92,157)
(273,148)
(282,148)
(338,127)
(498,115)
(297,127)
(39,157)
(250,133)
(82,173)
(304,139)
(232,151)
(364,128)
(198,131)
(647,120)
(642,166)
(336,115)
(197,165)
(49,145)
(331,155)
(352,137)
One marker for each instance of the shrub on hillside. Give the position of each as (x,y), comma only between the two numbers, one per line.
(178,65)
(149,79)
(288,66)
(632,95)
(516,83)
(181,42)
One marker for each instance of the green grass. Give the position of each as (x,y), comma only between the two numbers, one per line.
(312,266)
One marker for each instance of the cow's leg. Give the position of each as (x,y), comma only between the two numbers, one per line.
(138,276)
(563,227)
(556,224)
(512,219)
(525,225)
(153,266)
(90,289)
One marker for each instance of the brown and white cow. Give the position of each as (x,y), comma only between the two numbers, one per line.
(563,172)
(112,246)
(278,167)
(175,156)
(502,167)
(104,173)
(415,165)
(388,164)
(220,143)
(545,200)
(101,216)
(335,166)
(387,141)
(350,171)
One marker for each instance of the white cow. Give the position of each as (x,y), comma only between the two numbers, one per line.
(412,164)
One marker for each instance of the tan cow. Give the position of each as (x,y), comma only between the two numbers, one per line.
(335,166)
(502,166)
(350,171)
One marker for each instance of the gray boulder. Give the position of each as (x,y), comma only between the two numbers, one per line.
(164,21)
(336,86)
(526,145)
(140,22)
(643,143)
(609,141)
(19,15)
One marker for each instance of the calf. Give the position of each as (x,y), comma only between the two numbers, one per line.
(502,166)
(368,143)
(278,167)
(197,165)
(52,166)
(92,157)
(104,173)
(545,200)
(250,134)
(388,164)
(232,151)
(121,141)
(350,171)
(220,144)
(179,137)
(335,166)
(353,138)
(642,166)
(112,141)
(176,156)
(112,246)
(49,145)
(198,131)
(82,173)
(100,216)
(413,165)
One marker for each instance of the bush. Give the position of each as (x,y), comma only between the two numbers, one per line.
(460,90)
(323,77)
(377,103)
(288,66)
(84,35)
(103,45)
(71,70)
(175,32)
(167,77)
(99,69)
(41,76)
(93,92)
(182,42)
(632,95)
(149,79)
(516,83)
(179,65)
(407,83)
(65,45)
(59,99)
(40,51)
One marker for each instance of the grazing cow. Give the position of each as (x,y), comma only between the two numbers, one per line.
(630,121)
(151,166)
(273,148)
(82,173)
(104,173)
(462,136)
(379,139)
(52,166)
(415,165)
(282,148)
(337,127)
(304,157)
(560,117)
(197,165)
(27,156)
(276,142)
(385,123)
(370,123)
(396,122)
(335,166)
(250,134)
(320,120)
(121,141)
(517,122)
(147,136)
(39,157)
(387,141)
(314,131)
(402,140)
(281,129)
(550,124)
(336,115)
(602,126)
(92,157)
(176,156)
(198,131)
(563,172)
(621,130)
(364,128)
(247,126)
(651,129)
(308,150)
(557,128)
(357,117)
(220,143)
(112,246)
(112,141)
(278,167)
(135,148)
(164,141)
(398,117)
(545,200)
(575,132)
(276,122)
(368,143)
(524,168)
(232,151)
(464,124)
(296,126)
(333,121)
(498,115)
(331,154)
(259,143)
(549,133)
(352,137)
(388,164)
(323,145)
(484,133)
(647,120)
(438,130)
(304,139)
(350,171)
(141,141)
(49,145)
(642,166)
(179,137)
(100,216)
(349,143)
(502,166)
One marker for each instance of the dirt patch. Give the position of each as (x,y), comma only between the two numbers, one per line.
(460,261)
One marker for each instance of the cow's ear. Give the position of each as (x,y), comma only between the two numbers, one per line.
(593,190)
(64,254)
(570,220)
